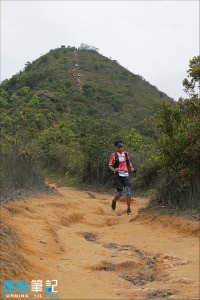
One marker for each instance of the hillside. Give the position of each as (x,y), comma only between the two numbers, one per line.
(47,90)
(62,113)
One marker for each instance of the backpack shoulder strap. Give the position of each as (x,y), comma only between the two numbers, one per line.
(127,158)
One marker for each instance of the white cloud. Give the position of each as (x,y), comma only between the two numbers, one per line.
(155,39)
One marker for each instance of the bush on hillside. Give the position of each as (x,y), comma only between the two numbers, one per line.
(18,171)
(178,146)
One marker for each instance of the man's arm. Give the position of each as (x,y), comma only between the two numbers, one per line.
(130,164)
(113,169)
(111,163)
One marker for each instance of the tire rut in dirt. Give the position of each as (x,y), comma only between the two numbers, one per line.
(141,269)
(136,280)
(162,294)
(119,247)
(89,236)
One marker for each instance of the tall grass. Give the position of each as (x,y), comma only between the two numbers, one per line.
(183,197)
(19,172)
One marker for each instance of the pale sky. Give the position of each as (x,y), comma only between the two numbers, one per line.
(155,39)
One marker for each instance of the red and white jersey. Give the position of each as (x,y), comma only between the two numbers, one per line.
(122,161)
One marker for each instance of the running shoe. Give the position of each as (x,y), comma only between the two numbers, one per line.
(113,205)
(129,212)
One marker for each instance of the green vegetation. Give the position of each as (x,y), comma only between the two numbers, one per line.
(177,144)
(112,103)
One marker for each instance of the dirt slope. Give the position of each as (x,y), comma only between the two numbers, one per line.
(94,253)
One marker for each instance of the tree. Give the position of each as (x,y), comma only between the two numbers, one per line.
(194,74)
(177,141)
(134,139)
(96,135)
(3,103)
(33,102)
(88,47)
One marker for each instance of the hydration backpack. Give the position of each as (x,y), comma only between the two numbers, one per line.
(116,164)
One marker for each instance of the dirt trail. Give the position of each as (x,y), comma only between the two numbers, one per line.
(94,253)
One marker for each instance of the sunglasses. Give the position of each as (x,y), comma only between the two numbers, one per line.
(119,146)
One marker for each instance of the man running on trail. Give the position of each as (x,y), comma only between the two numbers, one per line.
(119,163)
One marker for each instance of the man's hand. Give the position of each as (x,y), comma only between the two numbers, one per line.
(134,172)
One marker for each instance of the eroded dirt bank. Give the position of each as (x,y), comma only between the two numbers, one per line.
(95,253)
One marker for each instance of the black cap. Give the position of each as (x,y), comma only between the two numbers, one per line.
(118,143)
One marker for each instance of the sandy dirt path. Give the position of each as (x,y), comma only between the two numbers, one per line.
(94,253)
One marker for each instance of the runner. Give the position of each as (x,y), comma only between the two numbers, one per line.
(119,163)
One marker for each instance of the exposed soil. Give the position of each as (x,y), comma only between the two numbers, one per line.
(95,253)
